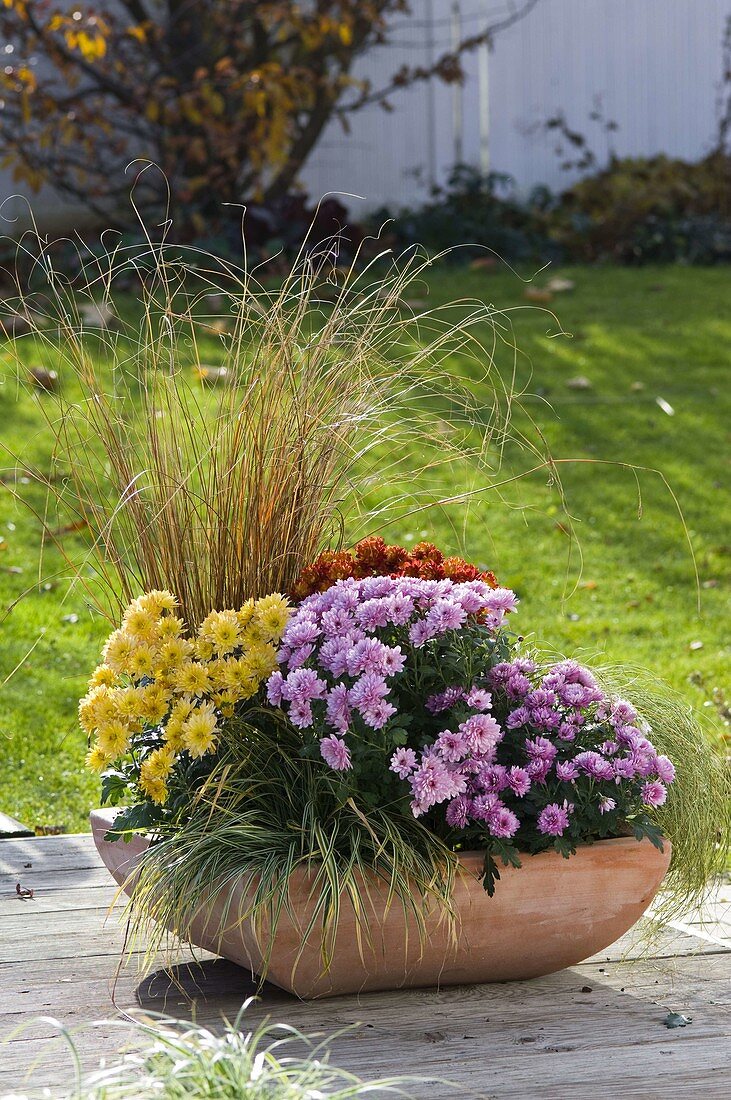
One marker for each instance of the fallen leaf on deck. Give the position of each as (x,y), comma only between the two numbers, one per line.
(677,1019)
(21,893)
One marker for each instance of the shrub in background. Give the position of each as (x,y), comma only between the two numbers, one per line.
(648,210)
(633,211)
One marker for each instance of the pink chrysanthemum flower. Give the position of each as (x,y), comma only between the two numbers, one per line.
(502,822)
(553,820)
(452,747)
(479,699)
(335,753)
(403,762)
(519,781)
(653,793)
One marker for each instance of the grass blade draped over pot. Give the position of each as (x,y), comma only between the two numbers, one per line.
(324,383)
(697,814)
(267,813)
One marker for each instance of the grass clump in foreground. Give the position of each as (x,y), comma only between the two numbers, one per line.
(176,1061)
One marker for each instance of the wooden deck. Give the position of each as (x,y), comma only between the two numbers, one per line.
(593,1031)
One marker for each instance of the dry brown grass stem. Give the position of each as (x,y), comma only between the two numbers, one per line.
(222,493)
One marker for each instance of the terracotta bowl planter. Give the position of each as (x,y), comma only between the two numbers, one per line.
(550,914)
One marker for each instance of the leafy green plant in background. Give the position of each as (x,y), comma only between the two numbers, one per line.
(481,212)
(631,211)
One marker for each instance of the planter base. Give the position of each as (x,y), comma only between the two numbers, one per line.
(550,914)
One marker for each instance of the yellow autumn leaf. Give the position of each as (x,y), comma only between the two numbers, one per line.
(91,48)
(345,32)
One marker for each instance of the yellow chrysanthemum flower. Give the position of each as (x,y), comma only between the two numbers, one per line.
(97,759)
(154,787)
(103,676)
(245,614)
(226,702)
(203,649)
(118,651)
(140,623)
(173,730)
(217,673)
(200,731)
(170,627)
(142,662)
(97,708)
(225,633)
(175,653)
(272,613)
(155,703)
(192,679)
(157,602)
(114,738)
(238,678)
(173,733)
(255,634)
(261,660)
(159,763)
(130,703)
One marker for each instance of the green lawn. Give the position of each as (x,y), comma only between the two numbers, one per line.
(637,336)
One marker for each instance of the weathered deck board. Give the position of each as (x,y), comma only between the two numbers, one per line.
(595,1029)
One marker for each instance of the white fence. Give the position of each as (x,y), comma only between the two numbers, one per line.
(655,66)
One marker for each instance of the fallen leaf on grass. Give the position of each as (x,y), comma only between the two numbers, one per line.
(665,406)
(70,528)
(73,618)
(696,645)
(535,294)
(558,285)
(579,383)
(212,376)
(44,379)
